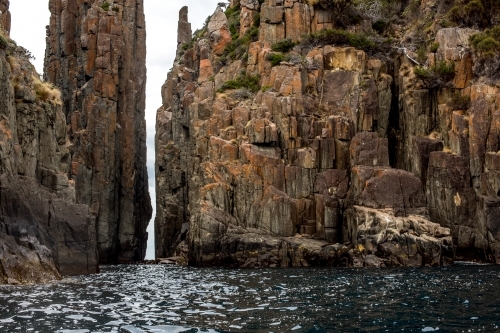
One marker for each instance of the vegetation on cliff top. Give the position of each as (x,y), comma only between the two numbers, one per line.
(487,43)
(340,37)
(475,13)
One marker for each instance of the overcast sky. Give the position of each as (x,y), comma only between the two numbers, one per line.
(30,17)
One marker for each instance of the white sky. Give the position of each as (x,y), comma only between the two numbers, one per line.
(30,17)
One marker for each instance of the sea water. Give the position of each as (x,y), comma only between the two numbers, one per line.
(149,298)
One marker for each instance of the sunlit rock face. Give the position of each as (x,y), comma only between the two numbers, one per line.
(339,151)
(96,55)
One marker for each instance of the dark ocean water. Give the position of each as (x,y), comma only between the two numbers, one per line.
(178,299)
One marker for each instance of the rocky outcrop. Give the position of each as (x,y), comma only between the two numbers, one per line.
(5,16)
(344,156)
(96,55)
(43,232)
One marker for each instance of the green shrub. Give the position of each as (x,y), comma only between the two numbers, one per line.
(238,47)
(187,46)
(105,5)
(340,37)
(256,19)
(276,58)
(251,83)
(340,9)
(422,53)
(487,43)
(265,88)
(4,42)
(474,13)
(422,72)
(434,47)
(437,75)
(233,18)
(283,46)
(444,68)
(379,26)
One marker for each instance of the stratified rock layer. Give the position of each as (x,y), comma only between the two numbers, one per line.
(96,55)
(43,233)
(342,158)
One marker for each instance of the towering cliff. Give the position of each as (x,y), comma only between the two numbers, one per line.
(96,55)
(43,232)
(327,133)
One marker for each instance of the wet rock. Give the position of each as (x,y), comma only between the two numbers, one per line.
(400,241)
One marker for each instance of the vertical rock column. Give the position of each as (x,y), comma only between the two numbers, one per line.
(5,15)
(173,154)
(96,55)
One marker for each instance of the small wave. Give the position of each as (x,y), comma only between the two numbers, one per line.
(471,263)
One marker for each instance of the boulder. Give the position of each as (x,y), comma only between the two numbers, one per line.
(399,241)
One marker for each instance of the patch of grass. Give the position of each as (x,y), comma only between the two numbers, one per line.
(46,92)
(105,5)
(249,82)
(284,46)
(340,37)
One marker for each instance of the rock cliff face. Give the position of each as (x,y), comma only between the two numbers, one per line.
(5,16)
(282,142)
(44,233)
(96,55)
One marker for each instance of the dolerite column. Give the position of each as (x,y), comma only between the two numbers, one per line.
(5,15)
(96,53)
